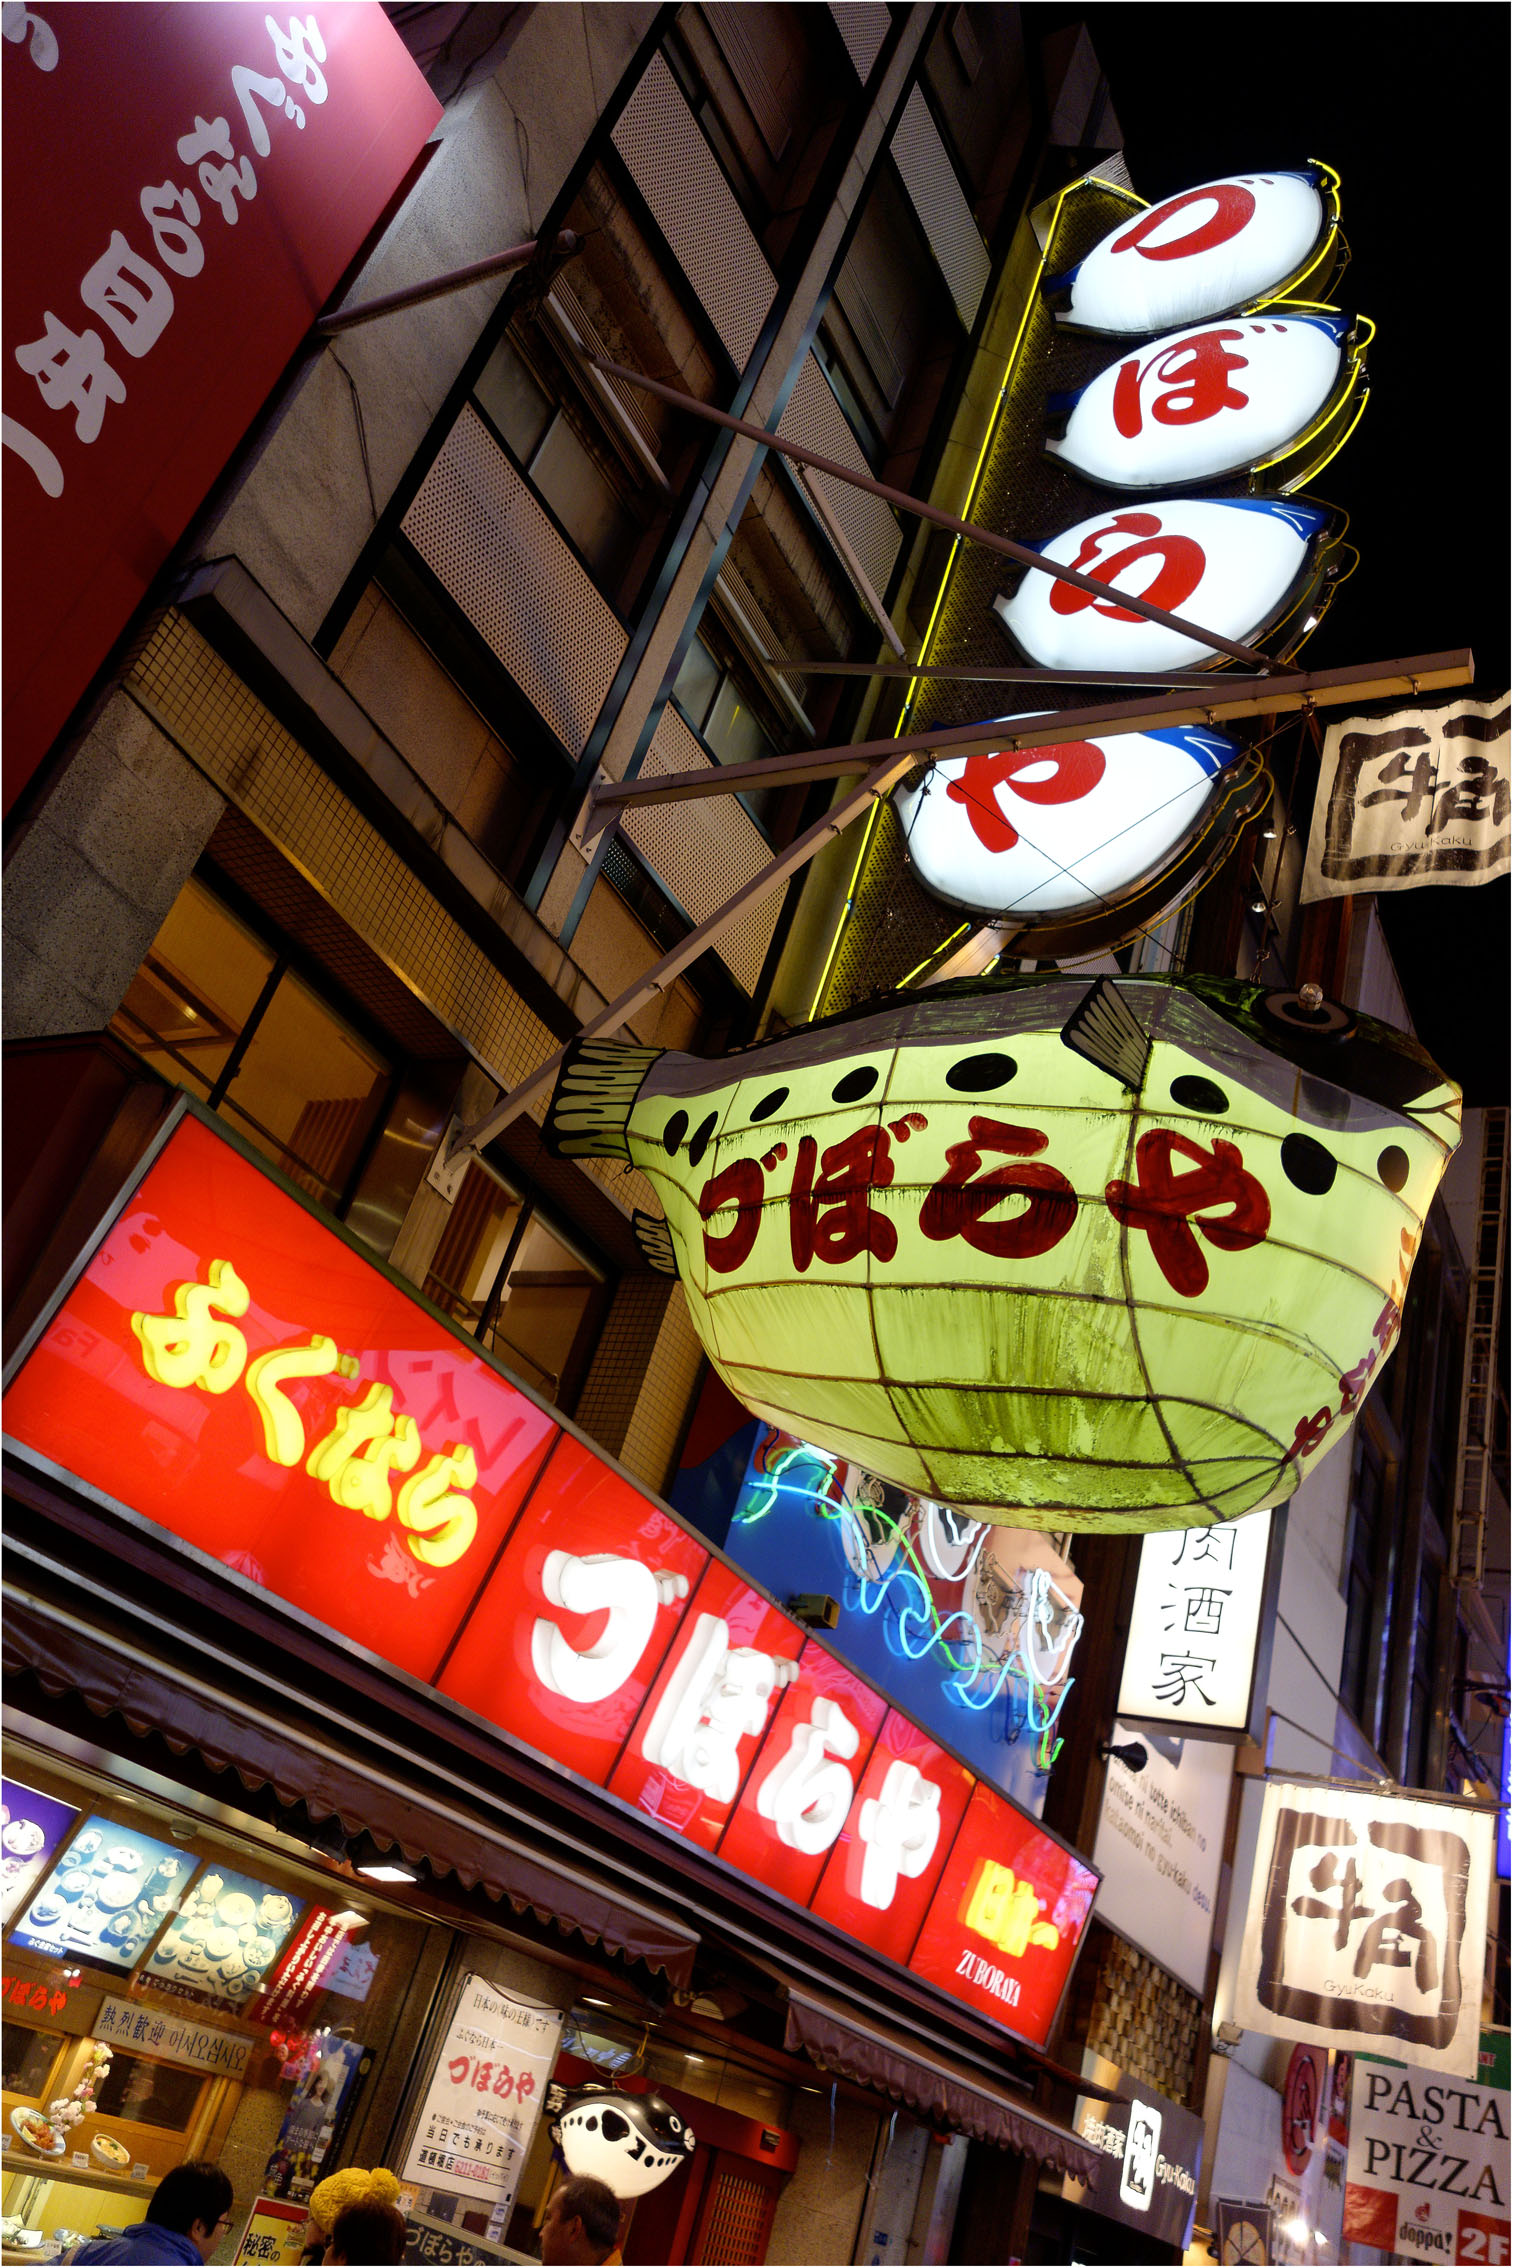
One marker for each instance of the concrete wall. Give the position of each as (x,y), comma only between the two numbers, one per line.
(504,148)
(819,2211)
(89,883)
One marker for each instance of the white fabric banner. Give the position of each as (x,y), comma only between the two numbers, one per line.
(1420,796)
(1367,1925)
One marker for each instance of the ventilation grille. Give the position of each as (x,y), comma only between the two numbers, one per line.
(703,852)
(483,535)
(924,165)
(863,27)
(674,168)
(655,1432)
(815,420)
(183,684)
(936,195)
(693,205)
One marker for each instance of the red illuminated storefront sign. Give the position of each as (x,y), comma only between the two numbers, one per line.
(229,1367)
(185,186)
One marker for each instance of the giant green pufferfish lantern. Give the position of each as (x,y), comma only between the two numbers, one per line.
(1112,1256)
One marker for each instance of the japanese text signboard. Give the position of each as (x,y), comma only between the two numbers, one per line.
(1427,2176)
(231,1369)
(482,2106)
(184,188)
(274,2236)
(1227,244)
(1368,1923)
(1201,403)
(173,2039)
(1150,2151)
(1048,833)
(1234,565)
(1419,797)
(1189,1662)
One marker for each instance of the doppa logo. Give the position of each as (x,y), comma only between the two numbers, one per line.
(1137,2178)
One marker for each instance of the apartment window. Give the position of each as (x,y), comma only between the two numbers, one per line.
(217,1009)
(713,701)
(1421,1697)
(513,1277)
(1359,1683)
(562,468)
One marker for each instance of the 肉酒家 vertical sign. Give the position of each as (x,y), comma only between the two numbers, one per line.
(481,2107)
(1189,1663)
(1368,1923)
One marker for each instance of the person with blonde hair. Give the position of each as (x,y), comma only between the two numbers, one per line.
(329,2199)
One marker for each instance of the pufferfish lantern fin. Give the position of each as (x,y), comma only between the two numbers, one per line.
(1105,1029)
(655,1239)
(596,1090)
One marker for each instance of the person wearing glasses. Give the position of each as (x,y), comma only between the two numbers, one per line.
(187,2217)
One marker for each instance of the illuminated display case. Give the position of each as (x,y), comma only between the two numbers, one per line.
(260,2064)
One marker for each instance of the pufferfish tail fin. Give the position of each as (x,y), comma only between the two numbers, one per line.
(655,1239)
(593,1098)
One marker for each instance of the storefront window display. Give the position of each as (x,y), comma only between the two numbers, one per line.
(221,2001)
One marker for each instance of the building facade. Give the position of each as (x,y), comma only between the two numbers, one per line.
(310,851)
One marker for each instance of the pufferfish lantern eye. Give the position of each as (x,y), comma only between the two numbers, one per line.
(1308,1165)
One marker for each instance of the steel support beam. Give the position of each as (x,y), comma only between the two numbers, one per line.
(883,772)
(1220,703)
(616,1013)
(902,501)
(437,287)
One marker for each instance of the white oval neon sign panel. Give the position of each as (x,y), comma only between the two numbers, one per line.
(1043,834)
(1205,401)
(1214,248)
(1228,567)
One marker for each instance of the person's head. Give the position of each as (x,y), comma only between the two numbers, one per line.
(582,2223)
(354,2185)
(195,2199)
(371,2235)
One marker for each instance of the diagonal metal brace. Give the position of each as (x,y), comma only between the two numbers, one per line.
(1220,700)
(900,499)
(1325,688)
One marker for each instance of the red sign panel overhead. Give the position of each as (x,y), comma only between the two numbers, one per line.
(229,1367)
(185,185)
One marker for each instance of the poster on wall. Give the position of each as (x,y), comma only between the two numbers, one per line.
(224,1938)
(1368,1923)
(31,1828)
(1160,1845)
(1196,1627)
(1428,2172)
(481,2108)
(106,1897)
(333,2066)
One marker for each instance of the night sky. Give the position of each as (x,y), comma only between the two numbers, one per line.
(1410,107)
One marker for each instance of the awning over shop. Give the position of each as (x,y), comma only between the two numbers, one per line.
(877,2057)
(65,1654)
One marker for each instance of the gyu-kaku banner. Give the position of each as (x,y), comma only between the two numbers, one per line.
(1428,2172)
(1420,796)
(1368,1924)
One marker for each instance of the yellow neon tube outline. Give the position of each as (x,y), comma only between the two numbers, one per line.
(1011,365)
